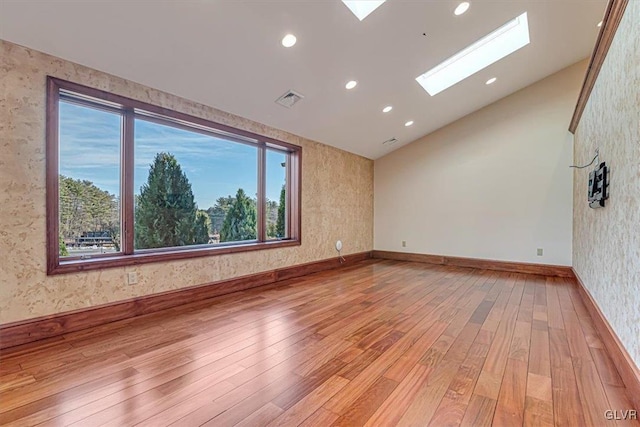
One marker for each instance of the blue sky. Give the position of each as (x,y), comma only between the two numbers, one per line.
(90,150)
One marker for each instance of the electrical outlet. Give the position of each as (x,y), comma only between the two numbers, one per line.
(540,251)
(339,245)
(132,278)
(404,243)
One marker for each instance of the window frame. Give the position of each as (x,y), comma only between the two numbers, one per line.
(130,109)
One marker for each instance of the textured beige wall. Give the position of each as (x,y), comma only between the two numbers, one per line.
(337,199)
(494,184)
(606,241)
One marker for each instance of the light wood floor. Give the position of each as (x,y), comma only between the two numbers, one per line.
(378,343)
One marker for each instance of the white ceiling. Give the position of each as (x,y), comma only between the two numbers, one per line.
(227,54)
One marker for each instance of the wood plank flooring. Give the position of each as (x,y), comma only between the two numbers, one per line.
(380,343)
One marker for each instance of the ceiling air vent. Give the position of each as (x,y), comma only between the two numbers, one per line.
(390,141)
(289,99)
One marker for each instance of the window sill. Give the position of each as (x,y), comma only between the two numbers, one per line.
(71,266)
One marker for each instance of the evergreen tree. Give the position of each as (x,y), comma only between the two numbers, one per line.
(271,231)
(202,225)
(76,206)
(281,211)
(271,216)
(62,247)
(85,207)
(166,212)
(218,212)
(240,221)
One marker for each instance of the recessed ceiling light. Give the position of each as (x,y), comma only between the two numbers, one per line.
(387,109)
(362,8)
(462,8)
(599,24)
(351,84)
(289,40)
(491,80)
(491,48)
(409,123)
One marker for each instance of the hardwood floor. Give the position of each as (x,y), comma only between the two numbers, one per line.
(378,343)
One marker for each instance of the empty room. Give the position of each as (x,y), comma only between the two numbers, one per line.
(320,213)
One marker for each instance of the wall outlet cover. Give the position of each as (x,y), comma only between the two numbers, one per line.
(132,278)
(339,245)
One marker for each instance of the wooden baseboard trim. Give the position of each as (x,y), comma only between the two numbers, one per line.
(23,332)
(485,264)
(627,369)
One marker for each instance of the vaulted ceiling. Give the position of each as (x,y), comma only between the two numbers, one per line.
(228,54)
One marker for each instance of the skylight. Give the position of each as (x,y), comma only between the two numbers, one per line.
(362,8)
(491,48)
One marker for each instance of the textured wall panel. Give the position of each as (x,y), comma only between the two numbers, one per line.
(337,199)
(606,242)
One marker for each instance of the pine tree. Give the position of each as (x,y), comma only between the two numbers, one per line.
(271,216)
(281,211)
(202,226)
(166,212)
(62,247)
(240,222)
(84,207)
(218,212)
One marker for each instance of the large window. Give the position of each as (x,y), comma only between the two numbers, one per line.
(129,182)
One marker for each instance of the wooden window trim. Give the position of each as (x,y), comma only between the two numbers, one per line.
(127,257)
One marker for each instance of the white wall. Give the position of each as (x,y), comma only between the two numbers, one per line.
(492,185)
